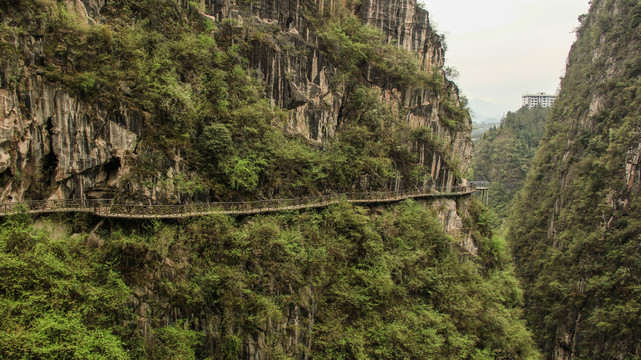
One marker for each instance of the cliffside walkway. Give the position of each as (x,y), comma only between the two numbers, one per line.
(111,209)
(483,187)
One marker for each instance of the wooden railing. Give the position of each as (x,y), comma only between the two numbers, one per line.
(111,209)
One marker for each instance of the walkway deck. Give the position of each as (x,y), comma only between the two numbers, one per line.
(110,209)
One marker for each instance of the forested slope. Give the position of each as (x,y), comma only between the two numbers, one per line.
(503,155)
(576,229)
(342,283)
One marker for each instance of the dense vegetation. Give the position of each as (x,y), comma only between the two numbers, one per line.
(335,284)
(504,153)
(191,76)
(576,229)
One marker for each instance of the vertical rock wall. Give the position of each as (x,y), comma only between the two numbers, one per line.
(298,75)
(51,137)
(87,145)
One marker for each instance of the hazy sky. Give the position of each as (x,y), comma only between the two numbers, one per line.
(505,48)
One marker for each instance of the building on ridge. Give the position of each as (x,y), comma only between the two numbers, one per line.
(538,99)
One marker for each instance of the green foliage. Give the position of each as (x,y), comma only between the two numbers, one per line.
(349,284)
(176,342)
(58,300)
(355,46)
(454,115)
(575,230)
(504,153)
(244,173)
(216,143)
(61,336)
(190,79)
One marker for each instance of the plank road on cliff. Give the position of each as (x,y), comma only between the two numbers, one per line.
(108,208)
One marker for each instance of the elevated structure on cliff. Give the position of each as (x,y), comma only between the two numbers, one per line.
(111,209)
(482,188)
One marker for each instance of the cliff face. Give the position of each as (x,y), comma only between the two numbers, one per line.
(576,230)
(50,137)
(300,79)
(54,143)
(57,144)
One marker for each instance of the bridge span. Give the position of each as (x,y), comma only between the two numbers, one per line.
(108,208)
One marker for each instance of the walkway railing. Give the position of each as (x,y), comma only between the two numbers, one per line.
(111,209)
(479,184)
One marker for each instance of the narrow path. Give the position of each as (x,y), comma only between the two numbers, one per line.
(109,209)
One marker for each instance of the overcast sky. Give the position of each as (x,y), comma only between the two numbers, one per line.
(505,48)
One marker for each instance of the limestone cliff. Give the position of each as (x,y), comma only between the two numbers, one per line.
(57,143)
(575,231)
(299,79)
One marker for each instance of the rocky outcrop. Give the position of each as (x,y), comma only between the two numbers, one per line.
(448,212)
(58,145)
(298,75)
(55,145)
